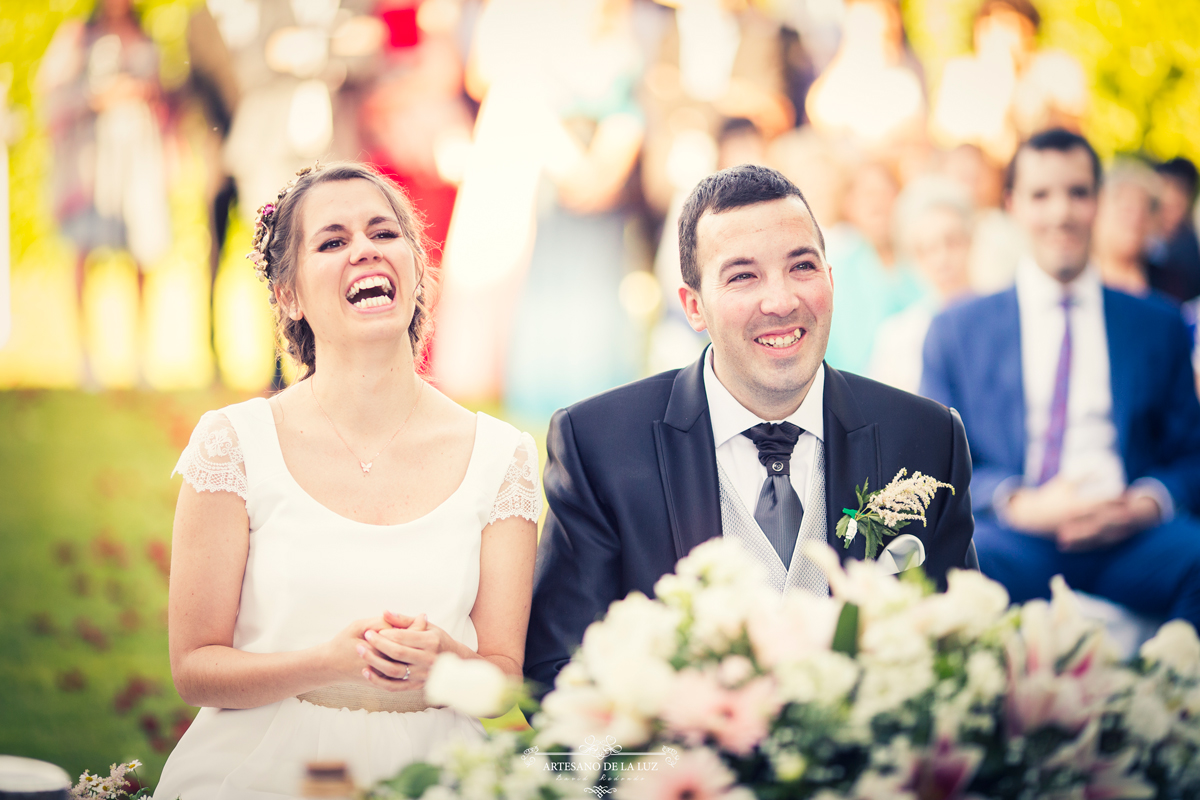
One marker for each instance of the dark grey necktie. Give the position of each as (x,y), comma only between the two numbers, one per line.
(779,510)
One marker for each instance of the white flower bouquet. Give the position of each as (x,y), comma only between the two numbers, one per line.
(721,689)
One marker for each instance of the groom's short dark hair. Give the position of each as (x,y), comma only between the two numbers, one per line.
(731,188)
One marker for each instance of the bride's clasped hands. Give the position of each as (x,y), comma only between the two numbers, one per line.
(400,654)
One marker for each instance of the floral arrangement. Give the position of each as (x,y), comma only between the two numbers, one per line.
(723,689)
(114,787)
(885,511)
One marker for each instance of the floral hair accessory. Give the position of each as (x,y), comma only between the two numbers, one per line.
(264,227)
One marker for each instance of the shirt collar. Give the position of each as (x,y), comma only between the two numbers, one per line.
(1035,287)
(730,418)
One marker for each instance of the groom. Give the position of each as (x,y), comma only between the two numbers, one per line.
(758,440)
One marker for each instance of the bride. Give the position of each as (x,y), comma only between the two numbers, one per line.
(331,541)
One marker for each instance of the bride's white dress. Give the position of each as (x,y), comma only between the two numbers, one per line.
(309,573)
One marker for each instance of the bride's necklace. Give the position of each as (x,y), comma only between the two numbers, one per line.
(366,465)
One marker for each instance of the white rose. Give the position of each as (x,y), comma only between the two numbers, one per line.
(1149,717)
(675,591)
(885,687)
(637,683)
(569,716)
(1191,701)
(480,783)
(524,783)
(573,674)
(722,562)
(824,677)
(1176,646)
(793,628)
(985,675)
(789,765)
(733,670)
(895,639)
(970,606)
(719,613)
(635,626)
(475,686)
(877,593)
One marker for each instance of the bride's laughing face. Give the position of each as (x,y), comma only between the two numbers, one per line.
(357,275)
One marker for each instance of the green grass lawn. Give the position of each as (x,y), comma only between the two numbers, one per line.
(85,528)
(86,505)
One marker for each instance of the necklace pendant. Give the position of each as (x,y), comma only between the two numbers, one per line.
(366,466)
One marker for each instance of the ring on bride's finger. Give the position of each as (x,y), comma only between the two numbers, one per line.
(407,672)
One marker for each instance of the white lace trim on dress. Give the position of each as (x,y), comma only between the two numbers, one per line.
(521,494)
(212,461)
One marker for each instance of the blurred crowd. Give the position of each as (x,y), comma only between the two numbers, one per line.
(550,144)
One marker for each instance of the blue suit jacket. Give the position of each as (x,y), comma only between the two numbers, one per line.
(973,364)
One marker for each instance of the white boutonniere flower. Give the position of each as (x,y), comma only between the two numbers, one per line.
(884,512)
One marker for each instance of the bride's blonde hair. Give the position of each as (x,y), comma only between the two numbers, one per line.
(277,248)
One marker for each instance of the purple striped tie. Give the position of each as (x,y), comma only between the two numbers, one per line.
(1057,428)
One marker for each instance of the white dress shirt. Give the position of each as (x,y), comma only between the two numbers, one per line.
(1090,453)
(738,456)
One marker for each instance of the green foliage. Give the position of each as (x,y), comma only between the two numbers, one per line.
(1141,57)
(414,779)
(85,527)
(868,524)
(845,636)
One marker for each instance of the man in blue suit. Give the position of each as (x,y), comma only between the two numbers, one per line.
(1080,407)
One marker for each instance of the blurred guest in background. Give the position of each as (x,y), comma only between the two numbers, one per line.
(416,123)
(297,65)
(1007,89)
(810,160)
(715,60)
(996,243)
(1124,222)
(1080,406)
(99,81)
(865,271)
(1175,252)
(571,337)
(932,230)
(213,83)
(536,248)
(872,92)
(740,142)
(714,93)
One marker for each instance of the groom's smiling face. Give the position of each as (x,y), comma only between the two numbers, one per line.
(766,300)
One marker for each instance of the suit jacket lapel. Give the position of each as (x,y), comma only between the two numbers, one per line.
(1122,367)
(1006,365)
(687,461)
(851,458)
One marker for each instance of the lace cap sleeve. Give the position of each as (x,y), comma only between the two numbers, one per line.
(212,460)
(520,494)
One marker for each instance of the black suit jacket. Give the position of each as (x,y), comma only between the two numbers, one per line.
(632,487)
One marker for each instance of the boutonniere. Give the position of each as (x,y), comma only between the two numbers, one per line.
(885,511)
